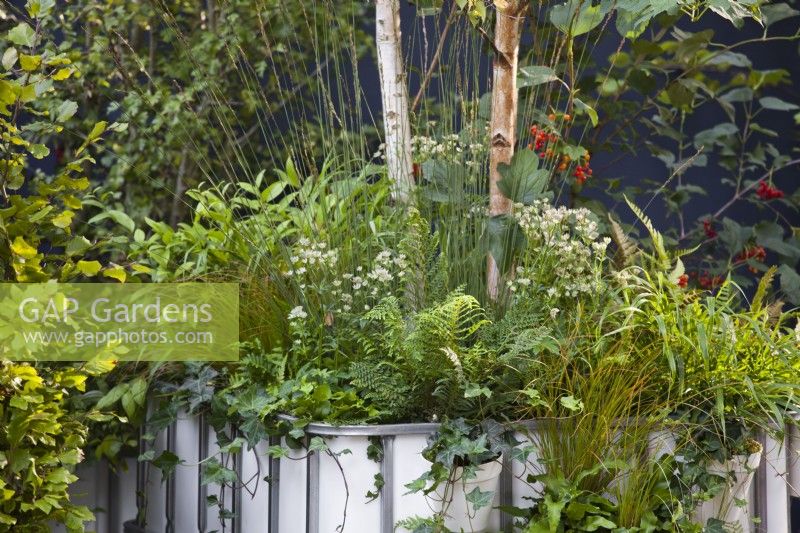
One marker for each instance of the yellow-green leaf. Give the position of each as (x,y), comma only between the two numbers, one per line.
(89,268)
(29,63)
(62,74)
(63,220)
(23,249)
(116,272)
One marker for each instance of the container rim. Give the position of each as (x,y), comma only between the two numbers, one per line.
(385,430)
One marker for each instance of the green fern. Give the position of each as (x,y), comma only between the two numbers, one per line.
(658,240)
(421,247)
(763,287)
(451,324)
(626,248)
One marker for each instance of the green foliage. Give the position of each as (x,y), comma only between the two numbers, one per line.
(38,211)
(666,81)
(41,441)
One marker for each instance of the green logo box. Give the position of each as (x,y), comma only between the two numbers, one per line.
(124,322)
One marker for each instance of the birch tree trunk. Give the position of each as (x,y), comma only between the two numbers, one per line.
(503,123)
(394,92)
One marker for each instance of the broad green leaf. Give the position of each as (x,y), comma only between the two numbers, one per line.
(583,107)
(40,8)
(9,58)
(577,17)
(39,151)
(22,35)
(534,75)
(770,235)
(773,13)
(770,102)
(790,283)
(66,110)
(167,462)
(523,181)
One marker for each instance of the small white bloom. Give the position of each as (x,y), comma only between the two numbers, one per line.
(297,312)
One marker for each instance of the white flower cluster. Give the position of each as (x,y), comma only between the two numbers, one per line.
(309,255)
(564,252)
(373,284)
(298,313)
(450,147)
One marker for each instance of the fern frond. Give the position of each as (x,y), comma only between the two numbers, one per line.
(450,324)
(420,246)
(626,248)
(763,287)
(655,236)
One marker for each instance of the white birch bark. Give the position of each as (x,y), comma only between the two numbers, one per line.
(394,93)
(503,123)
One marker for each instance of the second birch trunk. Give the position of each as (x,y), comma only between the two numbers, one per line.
(503,124)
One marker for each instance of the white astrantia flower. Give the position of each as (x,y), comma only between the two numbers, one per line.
(554,312)
(564,251)
(297,313)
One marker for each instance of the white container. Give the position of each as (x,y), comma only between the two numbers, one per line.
(739,472)
(793,460)
(459,514)
(523,491)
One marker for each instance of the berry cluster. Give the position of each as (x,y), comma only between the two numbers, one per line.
(765,191)
(708,228)
(583,171)
(683,281)
(542,141)
(756,253)
(707,281)
(545,143)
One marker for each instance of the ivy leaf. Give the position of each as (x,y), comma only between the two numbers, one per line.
(474,390)
(167,462)
(22,35)
(479,499)
(776,104)
(571,403)
(317,444)
(215,473)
